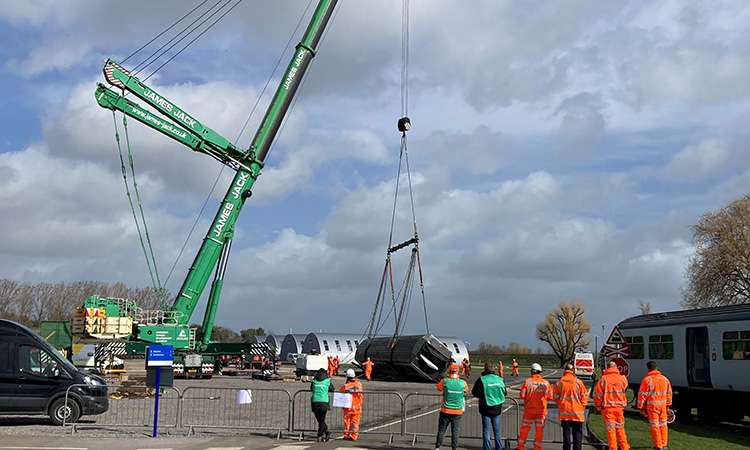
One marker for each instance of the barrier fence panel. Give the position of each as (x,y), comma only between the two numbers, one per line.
(381,413)
(552,427)
(553,432)
(422,412)
(134,406)
(267,409)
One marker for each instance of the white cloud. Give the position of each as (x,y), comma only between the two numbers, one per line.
(709,157)
(645,102)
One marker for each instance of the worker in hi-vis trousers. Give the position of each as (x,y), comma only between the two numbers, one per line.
(368,368)
(534,392)
(654,399)
(353,414)
(610,399)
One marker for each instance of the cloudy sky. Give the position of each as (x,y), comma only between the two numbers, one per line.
(558,151)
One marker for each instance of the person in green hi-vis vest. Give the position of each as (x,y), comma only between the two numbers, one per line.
(320,386)
(490,390)
(453,406)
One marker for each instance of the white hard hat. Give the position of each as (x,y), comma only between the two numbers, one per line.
(536,367)
(350,373)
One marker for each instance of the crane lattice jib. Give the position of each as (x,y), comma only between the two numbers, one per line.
(223,225)
(184,128)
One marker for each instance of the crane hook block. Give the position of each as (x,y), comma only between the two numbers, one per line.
(404,124)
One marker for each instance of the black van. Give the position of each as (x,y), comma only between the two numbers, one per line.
(34,378)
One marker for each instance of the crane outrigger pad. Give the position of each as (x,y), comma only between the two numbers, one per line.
(414,357)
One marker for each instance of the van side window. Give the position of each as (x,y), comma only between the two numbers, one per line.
(36,361)
(5,361)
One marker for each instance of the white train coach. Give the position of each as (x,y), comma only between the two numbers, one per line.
(705,353)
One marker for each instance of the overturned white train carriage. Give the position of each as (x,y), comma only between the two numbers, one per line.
(416,357)
(705,353)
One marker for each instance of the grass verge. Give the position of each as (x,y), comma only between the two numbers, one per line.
(690,435)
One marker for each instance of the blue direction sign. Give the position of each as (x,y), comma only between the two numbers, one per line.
(160,355)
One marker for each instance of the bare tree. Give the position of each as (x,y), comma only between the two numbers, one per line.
(43,292)
(514,348)
(564,329)
(8,298)
(25,304)
(645,307)
(719,272)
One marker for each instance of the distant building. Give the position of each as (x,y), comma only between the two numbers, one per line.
(342,345)
(292,344)
(257,339)
(274,342)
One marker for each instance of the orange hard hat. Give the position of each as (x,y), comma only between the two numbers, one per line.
(453,368)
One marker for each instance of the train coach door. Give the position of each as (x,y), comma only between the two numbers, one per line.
(698,366)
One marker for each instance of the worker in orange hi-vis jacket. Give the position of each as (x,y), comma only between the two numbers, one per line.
(336,364)
(610,399)
(571,397)
(654,398)
(515,368)
(534,392)
(368,368)
(352,415)
(500,369)
(330,367)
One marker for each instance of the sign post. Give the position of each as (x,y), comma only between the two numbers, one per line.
(157,358)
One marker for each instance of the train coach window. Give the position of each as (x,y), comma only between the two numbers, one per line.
(661,346)
(636,346)
(736,344)
(325,344)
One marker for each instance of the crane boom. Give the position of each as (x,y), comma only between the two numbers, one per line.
(171,325)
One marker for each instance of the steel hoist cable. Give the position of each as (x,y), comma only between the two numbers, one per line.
(400,301)
(154,273)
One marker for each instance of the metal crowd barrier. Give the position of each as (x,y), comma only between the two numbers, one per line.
(382,413)
(133,406)
(421,413)
(259,409)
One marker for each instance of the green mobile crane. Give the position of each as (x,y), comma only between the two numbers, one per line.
(119,319)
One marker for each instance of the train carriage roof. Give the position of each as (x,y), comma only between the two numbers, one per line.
(689,316)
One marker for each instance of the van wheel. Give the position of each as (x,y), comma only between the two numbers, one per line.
(60,412)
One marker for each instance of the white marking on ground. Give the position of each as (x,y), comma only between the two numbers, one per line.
(45,448)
